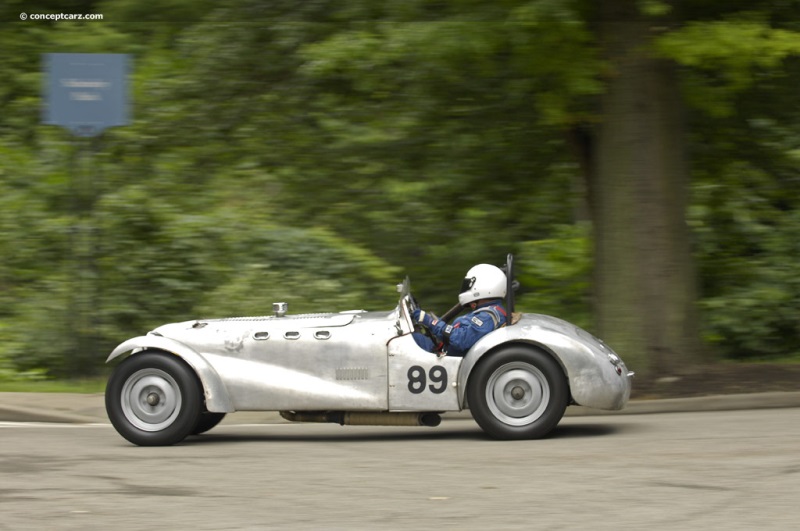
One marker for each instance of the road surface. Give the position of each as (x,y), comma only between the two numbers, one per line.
(712,470)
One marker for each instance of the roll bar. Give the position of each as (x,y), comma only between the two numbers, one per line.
(512,285)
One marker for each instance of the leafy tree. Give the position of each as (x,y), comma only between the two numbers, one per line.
(738,80)
(640,157)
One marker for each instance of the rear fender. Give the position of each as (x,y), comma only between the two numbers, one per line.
(216,394)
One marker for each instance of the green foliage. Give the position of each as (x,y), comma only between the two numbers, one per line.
(654,8)
(726,57)
(453,126)
(747,247)
(316,152)
(554,274)
(311,269)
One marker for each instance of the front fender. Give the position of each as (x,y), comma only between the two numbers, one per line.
(214,390)
(475,354)
(593,380)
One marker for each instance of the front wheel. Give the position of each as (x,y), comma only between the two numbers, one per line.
(153,399)
(517,393)
(207,421)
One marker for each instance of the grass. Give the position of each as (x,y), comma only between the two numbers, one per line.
(87,386)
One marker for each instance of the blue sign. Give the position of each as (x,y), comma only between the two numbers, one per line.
(86,92)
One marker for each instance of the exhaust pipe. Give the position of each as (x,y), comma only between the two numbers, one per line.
(358,418)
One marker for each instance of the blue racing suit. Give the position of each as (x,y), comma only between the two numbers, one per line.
(465,331)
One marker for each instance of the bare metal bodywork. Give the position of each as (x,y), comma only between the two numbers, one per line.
(366,362)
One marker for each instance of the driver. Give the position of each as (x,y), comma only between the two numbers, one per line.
(483,291)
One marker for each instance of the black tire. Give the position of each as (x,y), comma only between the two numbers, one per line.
(207,421)
(517,393)
(153,399)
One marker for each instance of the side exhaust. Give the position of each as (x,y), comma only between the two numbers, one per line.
(357,418)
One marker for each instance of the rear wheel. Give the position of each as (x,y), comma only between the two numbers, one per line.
(153,399)
(517,393)
(207,421)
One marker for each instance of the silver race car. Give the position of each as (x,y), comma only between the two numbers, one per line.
(358,368)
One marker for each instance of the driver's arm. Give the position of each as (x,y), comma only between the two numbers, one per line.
(465,332)
(426,319)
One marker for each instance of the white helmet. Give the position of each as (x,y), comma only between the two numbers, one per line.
(483,281)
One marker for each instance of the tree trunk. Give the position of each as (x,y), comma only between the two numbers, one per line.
(645,287)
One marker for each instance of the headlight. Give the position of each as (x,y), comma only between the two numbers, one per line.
(616,362)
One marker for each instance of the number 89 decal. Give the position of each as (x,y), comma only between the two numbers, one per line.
(417,379)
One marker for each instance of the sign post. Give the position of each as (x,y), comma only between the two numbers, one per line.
(85,93)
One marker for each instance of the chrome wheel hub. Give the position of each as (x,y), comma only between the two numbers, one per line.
(517,393)
(151,399)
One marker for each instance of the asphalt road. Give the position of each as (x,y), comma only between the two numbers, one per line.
(701,470)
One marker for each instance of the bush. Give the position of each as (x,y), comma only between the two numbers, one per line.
(554,275)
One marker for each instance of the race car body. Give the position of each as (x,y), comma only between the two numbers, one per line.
(357,367)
